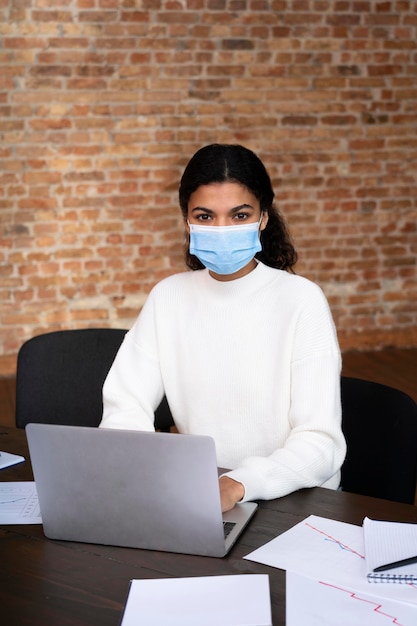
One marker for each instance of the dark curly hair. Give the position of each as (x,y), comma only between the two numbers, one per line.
(220,163)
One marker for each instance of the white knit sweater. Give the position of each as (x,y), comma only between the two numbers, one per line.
(253,362)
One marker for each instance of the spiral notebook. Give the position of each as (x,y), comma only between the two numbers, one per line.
(390,551)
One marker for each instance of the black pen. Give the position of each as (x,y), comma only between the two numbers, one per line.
(409,561)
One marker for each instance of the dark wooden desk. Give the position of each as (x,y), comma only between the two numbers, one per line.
(51,583)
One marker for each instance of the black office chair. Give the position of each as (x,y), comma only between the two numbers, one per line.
(60,376)
(380,426)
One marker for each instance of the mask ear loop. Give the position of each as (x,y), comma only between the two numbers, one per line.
(260,221)
(259,226)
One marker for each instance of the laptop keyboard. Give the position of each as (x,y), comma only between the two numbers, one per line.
(227,527)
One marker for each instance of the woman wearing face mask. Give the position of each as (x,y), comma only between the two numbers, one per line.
(244,350)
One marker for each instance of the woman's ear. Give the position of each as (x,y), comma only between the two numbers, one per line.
(186,225)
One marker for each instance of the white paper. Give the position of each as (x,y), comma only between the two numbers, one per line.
(7,459)
(314,603)
(236,600)
(328,551)
(19,503)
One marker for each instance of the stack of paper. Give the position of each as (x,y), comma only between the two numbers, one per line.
(240,600)
(326,578)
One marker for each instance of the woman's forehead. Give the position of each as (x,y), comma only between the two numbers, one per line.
(222,196)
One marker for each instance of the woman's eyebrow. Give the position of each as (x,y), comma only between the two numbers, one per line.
(236,209)
(201,208)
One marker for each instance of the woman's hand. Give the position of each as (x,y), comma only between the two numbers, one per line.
(230,492)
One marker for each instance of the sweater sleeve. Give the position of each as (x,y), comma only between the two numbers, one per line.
(315,447)
(133,388)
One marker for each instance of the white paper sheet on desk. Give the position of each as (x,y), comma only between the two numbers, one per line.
(235,600)
(329,551)
(314,603)
(19,503)
(8,459)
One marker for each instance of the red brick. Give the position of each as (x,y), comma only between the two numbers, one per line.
(97,125)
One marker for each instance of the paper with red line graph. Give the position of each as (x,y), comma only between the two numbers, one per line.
(314,603)
(330,554)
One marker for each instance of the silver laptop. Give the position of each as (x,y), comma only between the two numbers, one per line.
(156,491)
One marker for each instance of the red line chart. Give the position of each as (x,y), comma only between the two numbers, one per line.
(344,546)
(337,541)
(377,606)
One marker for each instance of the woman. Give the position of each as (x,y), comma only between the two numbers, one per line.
(244,350)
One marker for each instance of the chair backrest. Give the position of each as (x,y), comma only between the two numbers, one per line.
(60,376)
(380,426)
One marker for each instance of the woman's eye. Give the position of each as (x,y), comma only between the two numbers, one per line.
(241,216)
(204,217)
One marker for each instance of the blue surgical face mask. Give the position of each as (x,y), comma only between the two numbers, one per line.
(225,249)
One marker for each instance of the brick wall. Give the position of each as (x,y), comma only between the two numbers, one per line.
(102,103)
